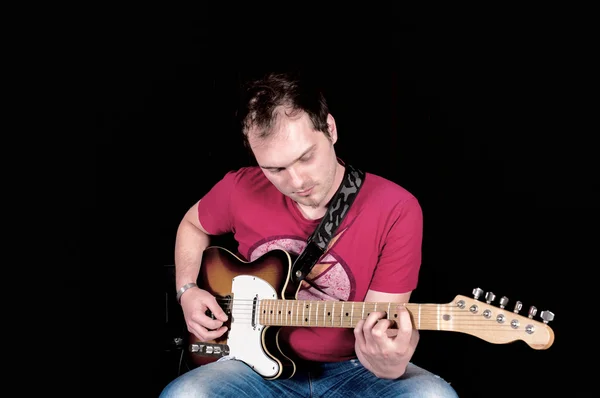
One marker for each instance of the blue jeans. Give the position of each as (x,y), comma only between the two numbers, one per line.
(232,378)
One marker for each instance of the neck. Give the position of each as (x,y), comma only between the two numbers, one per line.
(337,181)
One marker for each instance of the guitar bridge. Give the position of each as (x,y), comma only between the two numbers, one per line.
(253,317)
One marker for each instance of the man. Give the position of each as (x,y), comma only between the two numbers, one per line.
(374,256)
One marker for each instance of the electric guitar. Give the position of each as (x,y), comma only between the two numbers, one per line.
(259,298)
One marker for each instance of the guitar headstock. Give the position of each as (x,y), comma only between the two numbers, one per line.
(499,325)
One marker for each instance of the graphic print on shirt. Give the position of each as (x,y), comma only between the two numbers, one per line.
(328,279)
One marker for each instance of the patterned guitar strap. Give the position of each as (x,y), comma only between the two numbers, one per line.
(316,245)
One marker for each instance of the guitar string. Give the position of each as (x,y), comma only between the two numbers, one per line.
(425,307)
(309,304)
(245,312)
(340,303)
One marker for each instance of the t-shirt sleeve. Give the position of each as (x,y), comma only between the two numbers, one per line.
(215,208)
(397,270)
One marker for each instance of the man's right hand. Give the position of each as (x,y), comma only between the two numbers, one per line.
(195,302)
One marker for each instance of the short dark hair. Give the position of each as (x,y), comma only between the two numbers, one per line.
(294,91)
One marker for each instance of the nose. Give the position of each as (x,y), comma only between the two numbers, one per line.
(295,179)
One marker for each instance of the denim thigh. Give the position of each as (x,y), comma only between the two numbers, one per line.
(232,378)
(351,379)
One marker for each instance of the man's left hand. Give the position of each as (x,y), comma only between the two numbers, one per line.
(385,351)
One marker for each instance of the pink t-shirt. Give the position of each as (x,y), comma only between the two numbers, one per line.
(377,246)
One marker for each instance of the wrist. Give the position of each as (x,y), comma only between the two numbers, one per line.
(391,372)
(184,289)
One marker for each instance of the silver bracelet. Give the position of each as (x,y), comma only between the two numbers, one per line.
(183,289)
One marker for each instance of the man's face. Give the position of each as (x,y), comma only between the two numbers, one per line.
(298,160)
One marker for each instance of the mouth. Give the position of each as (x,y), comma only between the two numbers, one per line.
(306,192)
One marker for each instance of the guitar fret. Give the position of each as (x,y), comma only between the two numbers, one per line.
(332,313)
(317,314)
(279,311)
(292,313)
(342,315)
(352,316)
(309,310)
(303,317)
(267,304)
(266,311)
(295,311)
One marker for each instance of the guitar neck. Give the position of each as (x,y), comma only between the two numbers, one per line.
(344,314)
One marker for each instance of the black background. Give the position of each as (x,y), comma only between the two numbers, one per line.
(481,125)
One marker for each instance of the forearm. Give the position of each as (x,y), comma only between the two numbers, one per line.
(190,243)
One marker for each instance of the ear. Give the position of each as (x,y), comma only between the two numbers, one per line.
(332,128)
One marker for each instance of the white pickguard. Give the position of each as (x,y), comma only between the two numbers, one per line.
(244,338)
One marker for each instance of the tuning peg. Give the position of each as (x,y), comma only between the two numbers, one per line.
(547,316)
(477,292)
(518,306)
(489,297)
(503,301)
(532,311)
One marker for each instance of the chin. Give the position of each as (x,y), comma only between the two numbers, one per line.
(310,201)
